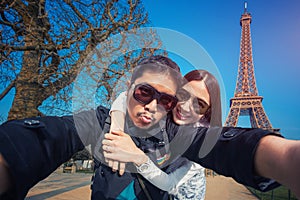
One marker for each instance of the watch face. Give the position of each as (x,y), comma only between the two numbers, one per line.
(144,167)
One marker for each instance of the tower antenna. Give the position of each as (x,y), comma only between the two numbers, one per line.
(245,6)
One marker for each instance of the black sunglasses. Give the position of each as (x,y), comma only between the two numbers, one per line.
(199,105)
(145,93)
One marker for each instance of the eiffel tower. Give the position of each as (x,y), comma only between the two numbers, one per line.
(246,100)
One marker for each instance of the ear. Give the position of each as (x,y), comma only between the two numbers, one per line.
(128,84)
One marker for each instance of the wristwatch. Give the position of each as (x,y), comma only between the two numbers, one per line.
(144,167)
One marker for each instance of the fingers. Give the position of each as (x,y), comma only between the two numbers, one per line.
(122,168)
(114,165)
(107,156)
(110,136)
(114,135)
(108,146)
(117,132)
(110,163)
(117,166)
(106,142)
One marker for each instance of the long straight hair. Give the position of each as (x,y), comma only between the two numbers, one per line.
(213,116)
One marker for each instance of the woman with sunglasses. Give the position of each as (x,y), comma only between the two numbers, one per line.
(195,106)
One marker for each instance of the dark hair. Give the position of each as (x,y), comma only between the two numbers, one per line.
(213,116)
(158,64)
(159,59)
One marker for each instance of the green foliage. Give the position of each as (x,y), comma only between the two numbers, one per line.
(280,193)
(82,155)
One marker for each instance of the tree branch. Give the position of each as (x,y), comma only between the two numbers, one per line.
(78,13)
(7,89)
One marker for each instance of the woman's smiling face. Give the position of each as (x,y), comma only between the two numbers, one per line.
(189,111)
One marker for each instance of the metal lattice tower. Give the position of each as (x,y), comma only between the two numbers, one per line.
(246,100)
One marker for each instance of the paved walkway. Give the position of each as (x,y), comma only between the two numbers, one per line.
(221,187)
(64,186)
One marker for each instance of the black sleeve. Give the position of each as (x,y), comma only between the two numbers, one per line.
(229,151)
(35,147)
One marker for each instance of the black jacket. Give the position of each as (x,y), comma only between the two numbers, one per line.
(34,148)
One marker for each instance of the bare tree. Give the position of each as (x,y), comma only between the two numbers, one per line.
(46,44)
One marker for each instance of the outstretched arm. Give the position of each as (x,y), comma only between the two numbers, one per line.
(31,149)
(254,157)
(279,159)
(5,180)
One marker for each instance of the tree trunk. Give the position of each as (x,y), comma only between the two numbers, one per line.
(25,102)
(27,97)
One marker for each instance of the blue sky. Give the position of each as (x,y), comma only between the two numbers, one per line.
(275,32)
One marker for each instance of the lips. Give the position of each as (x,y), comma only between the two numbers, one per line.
(180,114)
(145,119)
